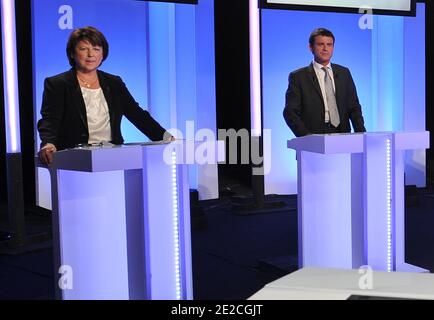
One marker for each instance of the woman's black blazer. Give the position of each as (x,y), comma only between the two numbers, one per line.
(64,120)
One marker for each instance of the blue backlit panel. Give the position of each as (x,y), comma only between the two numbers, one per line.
(173,1)
(379,59)
(163,51)
(122,22)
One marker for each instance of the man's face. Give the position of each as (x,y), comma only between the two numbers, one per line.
(322,49)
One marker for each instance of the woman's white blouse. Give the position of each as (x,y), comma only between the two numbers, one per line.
(98,119)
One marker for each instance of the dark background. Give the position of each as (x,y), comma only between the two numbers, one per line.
(232,78)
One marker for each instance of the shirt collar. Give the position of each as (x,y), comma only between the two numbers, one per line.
(319,66)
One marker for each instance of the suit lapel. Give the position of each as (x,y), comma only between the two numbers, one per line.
(338,84)
(77,96)
(313,77)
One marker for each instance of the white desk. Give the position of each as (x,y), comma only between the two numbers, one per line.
(121,221)
(351,199)
(340,284)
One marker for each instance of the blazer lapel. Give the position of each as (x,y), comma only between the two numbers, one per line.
(77,97)
(313,77)
(106,89)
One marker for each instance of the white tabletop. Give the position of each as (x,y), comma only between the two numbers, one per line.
(340,284)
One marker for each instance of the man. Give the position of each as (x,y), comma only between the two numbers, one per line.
(322,97)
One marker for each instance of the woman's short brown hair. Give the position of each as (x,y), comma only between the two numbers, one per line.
(90,34)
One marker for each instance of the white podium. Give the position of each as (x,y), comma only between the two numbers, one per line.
(343,284)
(121,222)
(351,199)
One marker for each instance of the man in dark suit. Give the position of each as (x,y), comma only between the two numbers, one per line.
(322,97)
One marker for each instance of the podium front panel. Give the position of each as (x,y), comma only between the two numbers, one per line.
(93,235)
(326,210)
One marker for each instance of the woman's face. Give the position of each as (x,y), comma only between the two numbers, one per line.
(87,56)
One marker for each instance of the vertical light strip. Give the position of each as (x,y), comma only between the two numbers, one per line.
(172,54)
(388,73)
(10,77)
(255,69)
(389,204)
(176,233)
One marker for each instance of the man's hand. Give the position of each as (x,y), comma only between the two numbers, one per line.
(46,153)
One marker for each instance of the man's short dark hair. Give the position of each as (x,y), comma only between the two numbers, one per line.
(90,34)
(320,32)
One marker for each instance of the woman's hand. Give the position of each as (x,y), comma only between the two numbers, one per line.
(46,153)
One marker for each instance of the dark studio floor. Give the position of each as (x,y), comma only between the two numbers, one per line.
(236,251)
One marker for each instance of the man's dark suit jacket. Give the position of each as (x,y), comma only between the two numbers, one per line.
(64,120)
(304,107)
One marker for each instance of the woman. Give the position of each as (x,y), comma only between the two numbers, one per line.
(85,105)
